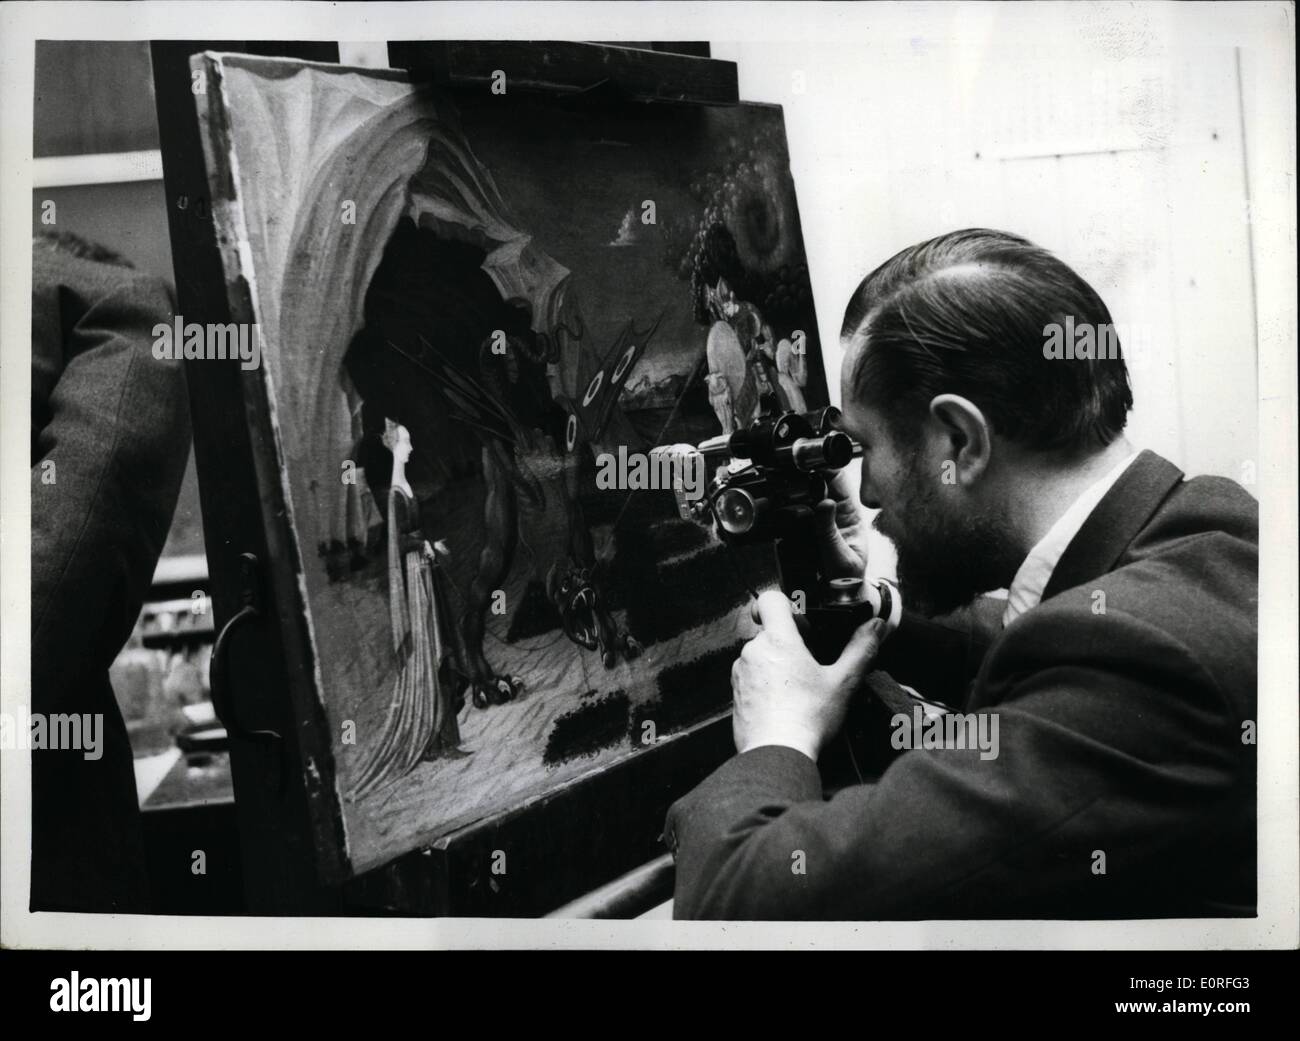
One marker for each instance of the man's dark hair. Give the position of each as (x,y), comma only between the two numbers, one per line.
(73,244)
(965,313)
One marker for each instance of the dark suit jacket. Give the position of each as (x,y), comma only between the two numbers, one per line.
(114,422)
(1123,786)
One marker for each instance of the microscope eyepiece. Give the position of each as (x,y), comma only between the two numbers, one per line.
(829,451)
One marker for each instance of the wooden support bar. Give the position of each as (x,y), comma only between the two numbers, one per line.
(559,67)
(625,897)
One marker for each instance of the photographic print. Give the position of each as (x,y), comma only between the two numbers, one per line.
(500,479)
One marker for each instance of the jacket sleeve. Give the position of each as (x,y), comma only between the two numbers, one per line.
(940,657)
(107,462)
(1119,744)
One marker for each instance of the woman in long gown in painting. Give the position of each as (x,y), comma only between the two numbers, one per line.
(421,721)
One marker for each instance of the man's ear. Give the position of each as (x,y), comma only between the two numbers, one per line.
(966,435)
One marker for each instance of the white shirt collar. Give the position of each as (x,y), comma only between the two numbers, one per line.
(1031,579)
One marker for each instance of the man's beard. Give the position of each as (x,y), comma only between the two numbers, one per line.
(945,561)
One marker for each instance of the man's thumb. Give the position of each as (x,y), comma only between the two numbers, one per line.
(856,658)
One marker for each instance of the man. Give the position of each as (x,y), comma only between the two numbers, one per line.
(1122,681)
(109,439)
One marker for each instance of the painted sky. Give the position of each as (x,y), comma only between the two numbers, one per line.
(572,178)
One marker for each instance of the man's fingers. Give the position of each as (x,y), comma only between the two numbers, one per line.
(839,559)
(825,512)
(800,620)
(856,658)
(773,612)
(837,486)
(828,516)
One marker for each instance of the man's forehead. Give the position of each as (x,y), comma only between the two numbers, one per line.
(858,418)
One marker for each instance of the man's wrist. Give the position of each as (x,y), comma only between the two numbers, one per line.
(802,743)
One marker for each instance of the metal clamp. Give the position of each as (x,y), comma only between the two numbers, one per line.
(218,673)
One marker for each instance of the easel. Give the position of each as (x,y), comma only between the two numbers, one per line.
(290,849)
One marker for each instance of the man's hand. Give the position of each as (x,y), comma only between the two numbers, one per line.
(841,531)
(781,695)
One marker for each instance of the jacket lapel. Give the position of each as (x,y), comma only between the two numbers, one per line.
(1115,522)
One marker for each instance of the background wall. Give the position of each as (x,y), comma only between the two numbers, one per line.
(1122,152)
(95,140)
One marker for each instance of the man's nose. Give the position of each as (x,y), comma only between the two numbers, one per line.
(866,494)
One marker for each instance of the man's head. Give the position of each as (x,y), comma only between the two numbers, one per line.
(960,409)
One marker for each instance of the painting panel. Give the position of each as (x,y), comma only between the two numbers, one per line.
(476,316)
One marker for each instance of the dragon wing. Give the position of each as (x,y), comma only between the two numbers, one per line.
(592,398)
